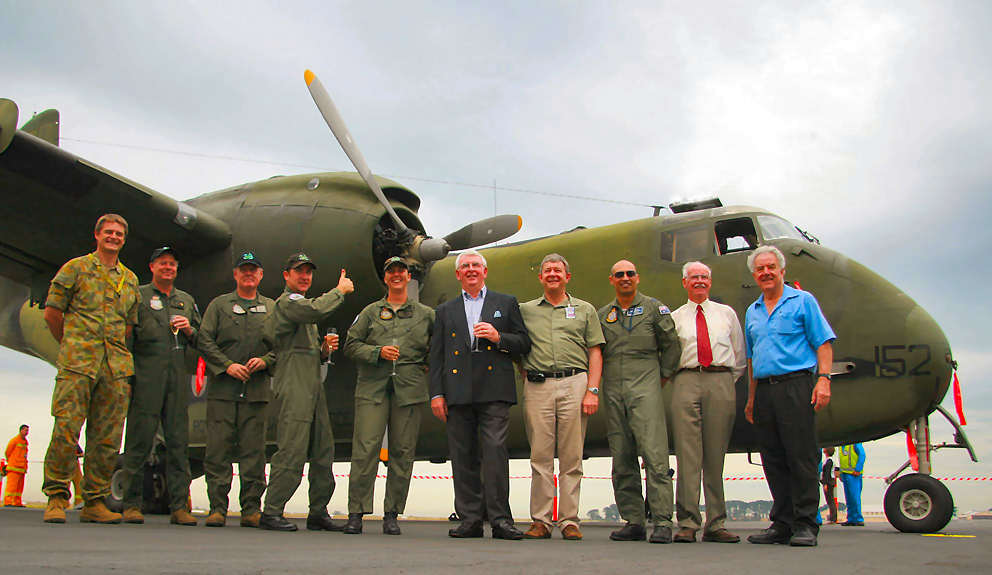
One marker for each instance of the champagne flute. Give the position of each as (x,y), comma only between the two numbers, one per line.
(175,330)
(475,338)
(330,353)
(394,361)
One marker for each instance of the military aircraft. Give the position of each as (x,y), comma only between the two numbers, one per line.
(893,364)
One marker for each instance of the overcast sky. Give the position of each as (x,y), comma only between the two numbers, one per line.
(864,122)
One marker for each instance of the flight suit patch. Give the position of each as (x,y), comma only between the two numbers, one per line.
(155,303)
(236,308)
(257,309)
(497,314)
(664,309)
(385,313)
(295,296)
(612,316)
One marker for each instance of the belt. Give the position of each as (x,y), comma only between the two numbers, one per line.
(540,376)
(707,369)
(785,376)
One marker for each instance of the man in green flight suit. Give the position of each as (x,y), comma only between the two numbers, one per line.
(642,352)
(240,358)
(304,425)
(160,391)
(389,342)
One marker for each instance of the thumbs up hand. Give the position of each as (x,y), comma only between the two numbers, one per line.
(345,285)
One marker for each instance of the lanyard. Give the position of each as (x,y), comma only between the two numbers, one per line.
(106,275)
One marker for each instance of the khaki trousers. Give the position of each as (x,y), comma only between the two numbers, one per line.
(703,410)
(553,417)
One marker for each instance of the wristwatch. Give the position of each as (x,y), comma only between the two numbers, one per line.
(593,390)
(826,375)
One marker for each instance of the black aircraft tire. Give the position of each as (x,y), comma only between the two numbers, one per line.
(115,501)
(918,503)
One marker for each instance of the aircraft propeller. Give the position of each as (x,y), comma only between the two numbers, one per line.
(423,248)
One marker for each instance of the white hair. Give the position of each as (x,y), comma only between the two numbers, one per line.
(766,250)
(458,260)
(685,268)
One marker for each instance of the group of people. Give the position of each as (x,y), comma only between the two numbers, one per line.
(463,359)
(850,470)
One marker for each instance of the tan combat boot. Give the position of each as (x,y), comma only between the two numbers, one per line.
(97,512)
(182,517)
(250,519)
(133,515)
(55,511)
(216,519)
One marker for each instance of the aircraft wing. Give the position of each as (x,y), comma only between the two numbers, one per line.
(50,199)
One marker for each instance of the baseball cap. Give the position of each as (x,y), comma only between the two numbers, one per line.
(247,258)
(298,259)
(161,252)
(395,260)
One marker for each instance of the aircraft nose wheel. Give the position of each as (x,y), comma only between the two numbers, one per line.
(918,503)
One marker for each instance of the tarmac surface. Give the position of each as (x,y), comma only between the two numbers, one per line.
(28,545)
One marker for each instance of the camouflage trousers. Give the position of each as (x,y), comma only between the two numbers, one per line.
(101,403)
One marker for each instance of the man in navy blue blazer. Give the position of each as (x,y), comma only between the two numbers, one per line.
(472,386)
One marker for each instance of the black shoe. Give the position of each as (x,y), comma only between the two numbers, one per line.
(629,532)
(276,523)
(661,534)
(354,524)
(769,536)
(853,524)
(803,537)
(504,529)
(390,526)
(466,530)
(323,522)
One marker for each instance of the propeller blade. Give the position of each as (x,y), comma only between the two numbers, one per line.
(337,125)
(484,232)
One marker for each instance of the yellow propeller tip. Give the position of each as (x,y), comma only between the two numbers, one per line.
(308,76)
(520,223)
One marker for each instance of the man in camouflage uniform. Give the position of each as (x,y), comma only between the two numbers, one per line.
(240,359)
(92,306)
(160,393)
(642,352)
(388,342)
(304,425)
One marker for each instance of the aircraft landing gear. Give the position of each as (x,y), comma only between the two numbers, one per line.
(919,503)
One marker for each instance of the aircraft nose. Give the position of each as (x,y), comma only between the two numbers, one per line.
(898,357)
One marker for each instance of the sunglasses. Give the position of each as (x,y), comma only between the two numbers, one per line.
(628,273)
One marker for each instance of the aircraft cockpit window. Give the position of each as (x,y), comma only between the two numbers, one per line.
(687,244)
(736,235)
(774,228)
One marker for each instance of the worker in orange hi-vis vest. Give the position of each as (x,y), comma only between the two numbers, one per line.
(17,467)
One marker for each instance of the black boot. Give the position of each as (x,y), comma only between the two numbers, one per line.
(276,523)
(354,524)
(322,522)
(389,524)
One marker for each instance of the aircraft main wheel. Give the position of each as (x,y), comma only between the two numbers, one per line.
(918,503)
(115,501)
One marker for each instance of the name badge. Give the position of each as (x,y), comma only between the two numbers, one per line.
(155,303)
(635,311)
(570,312)
(236,308)
(258,309)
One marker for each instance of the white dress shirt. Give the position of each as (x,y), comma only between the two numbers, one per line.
(726,336)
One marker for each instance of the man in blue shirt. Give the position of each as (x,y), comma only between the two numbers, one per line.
(787,341)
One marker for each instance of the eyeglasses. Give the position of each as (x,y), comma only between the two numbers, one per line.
(628,273)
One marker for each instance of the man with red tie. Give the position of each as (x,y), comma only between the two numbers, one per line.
(704,403)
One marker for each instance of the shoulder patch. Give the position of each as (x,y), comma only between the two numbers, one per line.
(612,316)
(664,309)
(295,296)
